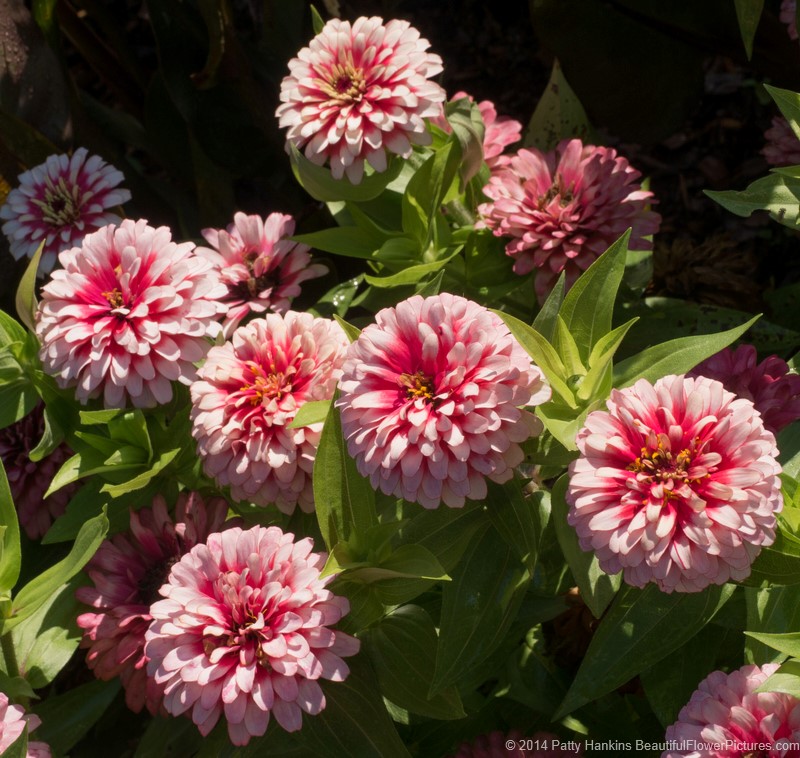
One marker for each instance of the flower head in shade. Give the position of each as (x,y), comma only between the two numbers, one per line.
(359,90)
(12,723)
(676,484)
(59,202)
(246,394)
(126,573)
(260,266)
(243,632)
(563,209)
(500,131)
(29,480)
(782,146)
(514,745)
(128,314)
(726,709)
(788,15)
(773,390)
(431,400)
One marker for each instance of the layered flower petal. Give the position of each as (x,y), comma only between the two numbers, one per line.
(12,723)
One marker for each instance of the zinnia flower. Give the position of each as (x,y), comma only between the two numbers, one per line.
(243,632)
(29,480)
(246,394)
(126,572)
(773,390)
(565,208)
(726,709)
(261,267)
(60,202)
(128,314)
(431,399)
(359,90)
(676,484)
(12,723)
(782,147)
(500,131)
(514,745)
(788,15)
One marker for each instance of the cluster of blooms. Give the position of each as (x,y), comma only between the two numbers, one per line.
(782,147)
(727,718)
(243,629)
(13,720)
(564,208)
(28,481)
(677,484)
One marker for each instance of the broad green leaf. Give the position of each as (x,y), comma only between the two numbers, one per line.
(15,686)
(770,610)
(432,286)
(52,437)
(351,331)
(349,241)
(337,300)
(558,115)
(18,396)
(312,412)
(143,479)
(354,720)
(168,736)
(95,418)
(402,648)
(787,643)
(45,641)
(316,20)
(778,564)
(410,275)
(748,13)
(596,385)
(131,427)
(545,321)
(786,679)
(543,354)
(11,555)
(406,562)
(788,102)
(675,356)
(641,628)
(320,184)
(37,591)
(597,588)
(588,306)
(344,500)
(567,349)
(10,330)
(66,718)
(518,518)
(26,302)
(478,606)
(86,503)
(776,193)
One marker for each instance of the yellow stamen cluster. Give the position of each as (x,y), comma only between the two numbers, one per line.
(417,386)
(346,83)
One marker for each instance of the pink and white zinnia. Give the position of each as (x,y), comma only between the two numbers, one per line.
(13,720)
(676,484)
(260,266)
(563,209)
(129,313)
(431,400)
(243,632)
(726,709)
(359,90)
(246,394)
(59,202)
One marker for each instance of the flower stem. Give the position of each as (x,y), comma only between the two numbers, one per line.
(9,655)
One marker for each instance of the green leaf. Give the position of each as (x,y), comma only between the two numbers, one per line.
(131,427)
(37,591)
(776,193)
(10,330)
(787,643)
(543,354)
(19,747)
(26,292)
(402,648)
(597,588)
(351,331)
(789,104)
(316,20)
(68,717)
(558,115)
(350,241)
(596,385)
(770,610)
(748,13)
(468,128)
(410,275)
(344,500)
(641,628)
(675,356)
(478,606)
(786,679)
(52,437)
(45,641)
(15,687)
(588,307)
(320,184)
(432,286)
(567,349)
(545,321)
(405,562)
(312,412)
(143,479)
(779,563)
(11,555)
(354,721)
(518,518)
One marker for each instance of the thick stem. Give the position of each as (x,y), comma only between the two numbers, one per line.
(9,655)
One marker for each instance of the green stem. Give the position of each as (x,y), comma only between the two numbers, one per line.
(9,655)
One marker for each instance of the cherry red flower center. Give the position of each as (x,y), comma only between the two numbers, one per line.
(347,83)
